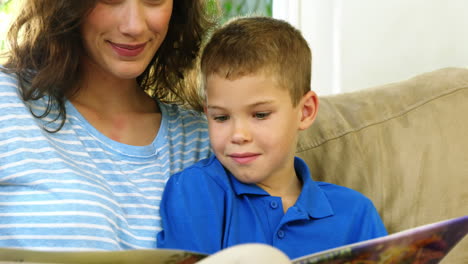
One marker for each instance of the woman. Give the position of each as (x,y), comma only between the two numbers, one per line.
(85,151)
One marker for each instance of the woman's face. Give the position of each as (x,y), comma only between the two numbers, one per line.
(120,37)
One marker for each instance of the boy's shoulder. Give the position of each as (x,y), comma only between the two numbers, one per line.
(204,171)
(338,193)
(332,191)
(206,165)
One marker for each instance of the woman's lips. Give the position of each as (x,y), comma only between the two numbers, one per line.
(244,158)
(127,50)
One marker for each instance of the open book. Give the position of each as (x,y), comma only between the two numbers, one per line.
(425,244)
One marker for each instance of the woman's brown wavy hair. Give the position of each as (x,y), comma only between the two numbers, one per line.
(46,46)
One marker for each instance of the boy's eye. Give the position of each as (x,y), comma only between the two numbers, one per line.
(261,115)
(220,118)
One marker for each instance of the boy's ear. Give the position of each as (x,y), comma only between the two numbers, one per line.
(309,107)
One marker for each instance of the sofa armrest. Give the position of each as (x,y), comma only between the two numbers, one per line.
(403,145)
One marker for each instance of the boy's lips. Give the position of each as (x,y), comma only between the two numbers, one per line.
(244,158)
(127,50)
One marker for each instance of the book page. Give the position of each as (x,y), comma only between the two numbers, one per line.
(158,256)
(424,244)
(248,253)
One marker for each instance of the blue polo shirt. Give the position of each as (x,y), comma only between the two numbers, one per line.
(205,209)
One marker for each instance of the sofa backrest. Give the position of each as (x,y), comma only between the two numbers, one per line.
(404,145)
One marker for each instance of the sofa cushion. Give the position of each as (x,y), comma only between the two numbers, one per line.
(404,145)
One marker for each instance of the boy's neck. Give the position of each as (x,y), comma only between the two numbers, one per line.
(288,190)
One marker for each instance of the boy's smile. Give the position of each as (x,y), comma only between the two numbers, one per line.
(253,128)
(244,158)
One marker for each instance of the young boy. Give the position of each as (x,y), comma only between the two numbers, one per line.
(256,72)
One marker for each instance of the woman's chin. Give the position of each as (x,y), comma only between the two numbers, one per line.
(128,72)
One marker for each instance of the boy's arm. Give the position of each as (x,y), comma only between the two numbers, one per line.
(192,212)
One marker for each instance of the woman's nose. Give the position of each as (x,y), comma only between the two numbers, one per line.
(133,19)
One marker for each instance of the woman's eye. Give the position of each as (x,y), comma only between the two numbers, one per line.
(261,115)
(220,118)
(154,2)
(110,2)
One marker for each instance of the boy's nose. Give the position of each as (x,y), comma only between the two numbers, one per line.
(241,133)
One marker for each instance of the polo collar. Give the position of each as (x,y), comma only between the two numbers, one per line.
(241,188)
(311,200)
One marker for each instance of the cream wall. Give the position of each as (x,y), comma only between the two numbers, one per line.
(363,43)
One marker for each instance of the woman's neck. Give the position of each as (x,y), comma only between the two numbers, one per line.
(118,108)
(105,92)
(113,97)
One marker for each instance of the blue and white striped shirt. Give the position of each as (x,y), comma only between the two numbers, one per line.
(79,190)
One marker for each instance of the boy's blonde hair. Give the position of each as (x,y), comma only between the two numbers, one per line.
(256,45)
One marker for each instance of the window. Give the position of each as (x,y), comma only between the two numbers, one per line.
(233,8)
(6,16)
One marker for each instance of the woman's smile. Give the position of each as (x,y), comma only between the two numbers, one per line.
(126,50)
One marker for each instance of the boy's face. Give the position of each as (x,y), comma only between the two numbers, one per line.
(253,127)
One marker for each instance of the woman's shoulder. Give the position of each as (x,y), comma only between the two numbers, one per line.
(9,92)
(175,110)
(8,82)
(179,116)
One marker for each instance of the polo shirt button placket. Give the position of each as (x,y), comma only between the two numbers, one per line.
(280,234)
(273,204)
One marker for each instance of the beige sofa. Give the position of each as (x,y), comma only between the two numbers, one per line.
(404,145)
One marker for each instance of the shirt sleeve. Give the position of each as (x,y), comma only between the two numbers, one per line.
(192,212)
(371,224)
